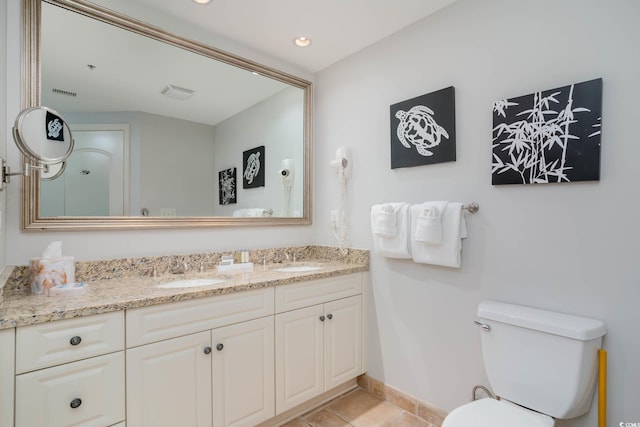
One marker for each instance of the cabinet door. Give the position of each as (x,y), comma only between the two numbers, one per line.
(342,340)
(299,357)
(7,375)
(169,383)
(88,393)
(243,373)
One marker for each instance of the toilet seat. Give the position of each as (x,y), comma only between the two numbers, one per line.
(495,413)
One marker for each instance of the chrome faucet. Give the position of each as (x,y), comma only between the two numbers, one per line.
(180,268)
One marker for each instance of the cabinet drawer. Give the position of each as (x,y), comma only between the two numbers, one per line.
(164,321)
(85,393)
(48,344)
(304,294)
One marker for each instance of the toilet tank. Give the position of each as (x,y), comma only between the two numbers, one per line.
(542,360)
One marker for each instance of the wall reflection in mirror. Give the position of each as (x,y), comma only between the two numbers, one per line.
(155,124)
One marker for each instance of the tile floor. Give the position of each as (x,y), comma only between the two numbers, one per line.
(358,408)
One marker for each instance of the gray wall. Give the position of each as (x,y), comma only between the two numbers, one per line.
(567,247)
(3,124)
(276,123)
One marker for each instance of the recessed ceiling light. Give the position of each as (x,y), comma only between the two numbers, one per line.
(202,1)
(302,41)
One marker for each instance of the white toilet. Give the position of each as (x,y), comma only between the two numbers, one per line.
(541,364)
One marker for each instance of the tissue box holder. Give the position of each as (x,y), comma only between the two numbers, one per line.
(49,272)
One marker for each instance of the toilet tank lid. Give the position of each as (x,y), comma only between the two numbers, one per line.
(566,325)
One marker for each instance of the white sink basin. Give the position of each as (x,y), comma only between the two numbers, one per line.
(298,268)
(191,283)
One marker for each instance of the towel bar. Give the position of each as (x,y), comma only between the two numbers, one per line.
(472,207)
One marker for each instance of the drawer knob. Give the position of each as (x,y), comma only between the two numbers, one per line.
(75,340)
(219,347)
(207,350)
(322,318)
(329,316)
(75,403)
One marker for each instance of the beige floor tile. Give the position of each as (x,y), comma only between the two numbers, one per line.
(296,423)
(325,418)
(364,410)
(408,420)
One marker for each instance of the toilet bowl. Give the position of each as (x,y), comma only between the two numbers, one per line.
(542,364)
(489,412)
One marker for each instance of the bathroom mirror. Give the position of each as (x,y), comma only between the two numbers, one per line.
(184,117)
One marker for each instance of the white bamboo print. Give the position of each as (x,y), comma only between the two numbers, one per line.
(536,146)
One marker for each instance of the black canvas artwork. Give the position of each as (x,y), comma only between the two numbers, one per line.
(253,164)
(54,127)
(548,136)
(227,186)
(423,130)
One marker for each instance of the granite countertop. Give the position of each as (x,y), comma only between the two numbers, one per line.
(21,308)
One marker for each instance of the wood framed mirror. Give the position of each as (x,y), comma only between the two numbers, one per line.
(181,117)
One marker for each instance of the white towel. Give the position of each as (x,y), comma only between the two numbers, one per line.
(429,223)
(397,245)
(383,220)
(250,212)
(454,229)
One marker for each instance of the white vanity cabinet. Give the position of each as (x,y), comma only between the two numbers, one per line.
(169,382)
(71,372)
(319,338)
(201,362)
(7,372)
(243,373)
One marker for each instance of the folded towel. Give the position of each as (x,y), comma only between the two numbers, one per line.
(383,222)
(454,229)
(386,243)
(429,223)
(250,212)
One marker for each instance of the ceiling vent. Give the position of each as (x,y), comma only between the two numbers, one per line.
(177,92)
(64,92)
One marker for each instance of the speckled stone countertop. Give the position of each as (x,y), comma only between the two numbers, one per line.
(137,288)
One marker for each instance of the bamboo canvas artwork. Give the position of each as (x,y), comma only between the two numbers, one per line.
(549,136)
(227,186)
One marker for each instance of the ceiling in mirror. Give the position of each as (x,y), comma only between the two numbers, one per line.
(187,115)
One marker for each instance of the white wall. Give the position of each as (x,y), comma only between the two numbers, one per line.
(567,247)
(3,124)
(278,124)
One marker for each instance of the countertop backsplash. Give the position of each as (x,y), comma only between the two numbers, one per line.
(16,279)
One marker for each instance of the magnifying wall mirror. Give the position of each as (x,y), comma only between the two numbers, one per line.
(163,127)
(45,141)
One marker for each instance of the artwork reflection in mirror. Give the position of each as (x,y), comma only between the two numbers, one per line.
(153,124)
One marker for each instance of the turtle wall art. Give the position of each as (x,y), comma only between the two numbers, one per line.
(227,186)
(423,130)
(548,136)
(253,166)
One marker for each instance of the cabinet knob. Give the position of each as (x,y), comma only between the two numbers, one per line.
(329,316)
(219,347)
(322,318)
(75,340)
(207,350)
(75,403)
